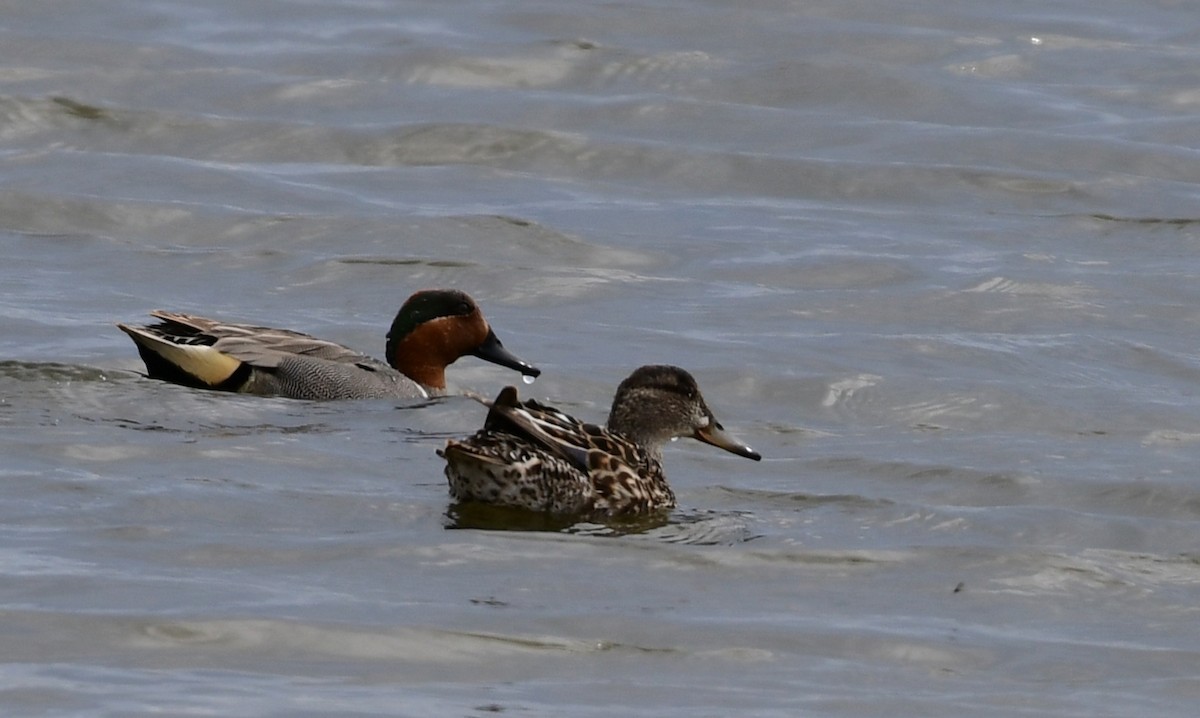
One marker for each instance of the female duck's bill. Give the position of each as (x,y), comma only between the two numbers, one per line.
(532,456)
(432,330)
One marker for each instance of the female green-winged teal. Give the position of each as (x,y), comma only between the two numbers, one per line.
(532,456)
(433,329)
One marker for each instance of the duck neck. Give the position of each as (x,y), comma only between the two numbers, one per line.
(417,361)
(633,426)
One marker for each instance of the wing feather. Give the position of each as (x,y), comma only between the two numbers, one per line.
(255,345)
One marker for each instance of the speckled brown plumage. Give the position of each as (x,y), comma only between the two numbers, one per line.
(533,456)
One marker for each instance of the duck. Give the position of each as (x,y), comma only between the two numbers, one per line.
(529,455)
(432,329)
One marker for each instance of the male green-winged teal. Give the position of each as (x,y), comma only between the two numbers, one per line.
(529,455)
(433,329)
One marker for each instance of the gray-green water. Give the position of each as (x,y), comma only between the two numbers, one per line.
(936,261)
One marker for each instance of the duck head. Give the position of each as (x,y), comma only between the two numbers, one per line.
(437,326)
(660,402)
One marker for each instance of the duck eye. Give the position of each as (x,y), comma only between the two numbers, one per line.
(464,308)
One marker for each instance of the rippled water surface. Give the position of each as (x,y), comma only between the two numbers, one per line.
(936,261)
